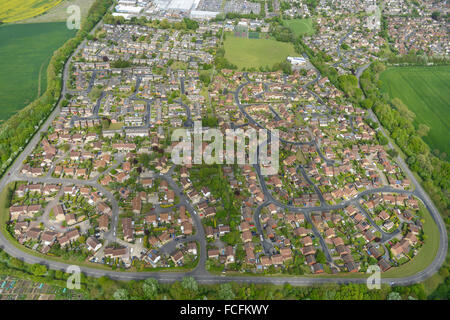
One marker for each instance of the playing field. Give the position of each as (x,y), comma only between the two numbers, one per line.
(25,51)
(247,53)
(300,26)
(426,92)
(16,10)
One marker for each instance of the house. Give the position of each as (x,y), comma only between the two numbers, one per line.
(136,204)
(192,248)
(246,236)
(317,268)
(33,234)
(121,252)
(70,219)
(306,241)
(48,237)
(128,230)
(213,253)
(384,265)
(308,250)
(187,227)
(93,244)
(229,254)
(58,211)
(151,219)
(103,222)
(400,248)
(310,259)
(177,257)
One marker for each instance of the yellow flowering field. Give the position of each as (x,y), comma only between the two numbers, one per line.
(16,10)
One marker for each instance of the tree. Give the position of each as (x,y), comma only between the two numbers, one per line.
(394,296)
(382,139)
(320,257)
(225,292)
(38,269)
(423,130)
(106,122)
(150,288)
(121,294)
(16,263)
(190,284)
(435,15)
(403,109)
(144,160)
(121,64)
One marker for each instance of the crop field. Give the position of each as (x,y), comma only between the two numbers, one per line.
(16,10)
(300,26)
(426,92)
(59,13)
(25,51)
(247,53)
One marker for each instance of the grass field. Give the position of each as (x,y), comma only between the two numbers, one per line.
(426,92)
(247,53)
(16,10)
(300,26)
(59,13)
(25,51)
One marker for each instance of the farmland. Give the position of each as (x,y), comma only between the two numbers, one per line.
(425,91)
(248,53)
(59,12)
(25,51)
(300,26)
(16,10)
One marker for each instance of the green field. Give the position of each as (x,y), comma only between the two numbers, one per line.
(426,92)
(248,53)
(300,26)
(25,51)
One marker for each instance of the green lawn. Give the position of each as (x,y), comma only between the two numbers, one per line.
(25,50)
(300,26)
(426,92)
(247,53)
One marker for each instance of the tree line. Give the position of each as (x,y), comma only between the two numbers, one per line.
(188,288)
(398,120)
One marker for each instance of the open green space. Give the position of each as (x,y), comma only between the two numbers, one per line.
(300,26)
(426,92)
(25,51)
(255,53)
